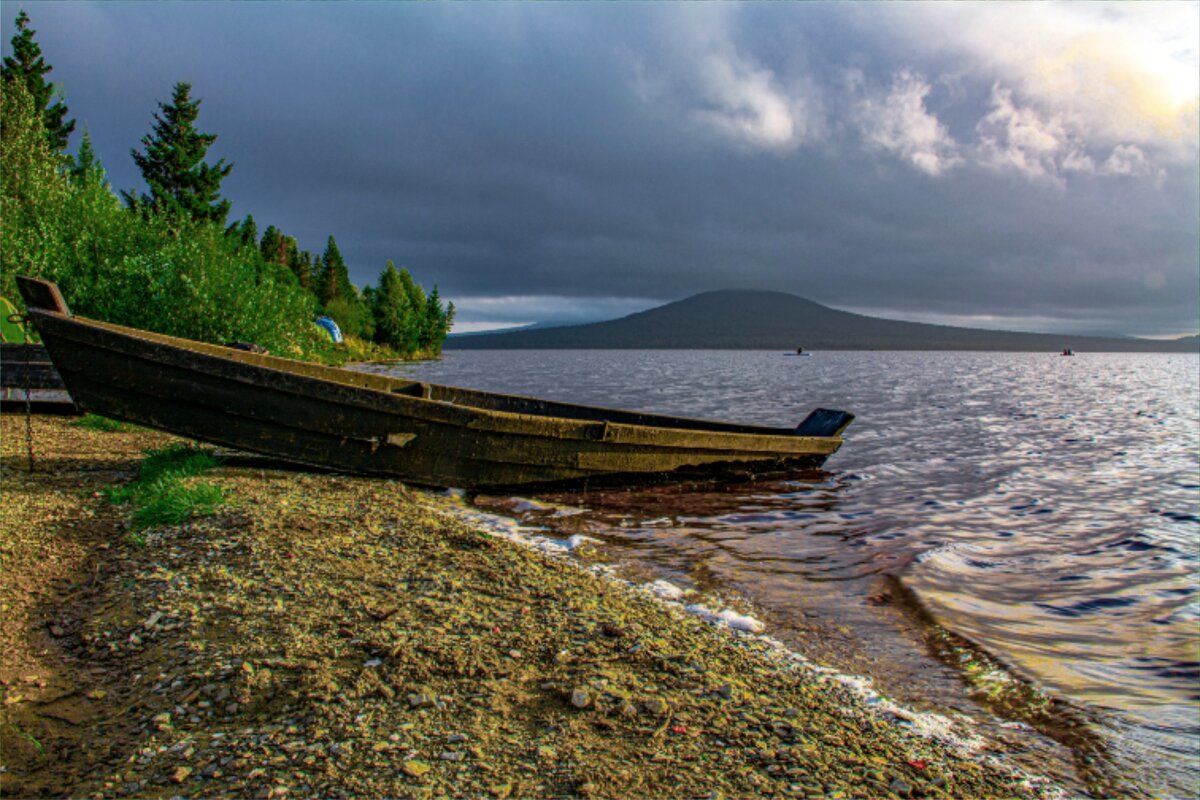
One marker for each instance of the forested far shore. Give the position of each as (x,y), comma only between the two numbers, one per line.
(167,260)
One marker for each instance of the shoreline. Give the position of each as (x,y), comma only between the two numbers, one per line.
(326,635)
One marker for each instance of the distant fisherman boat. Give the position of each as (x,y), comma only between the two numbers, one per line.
(376,425)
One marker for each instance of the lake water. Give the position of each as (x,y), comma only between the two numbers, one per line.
(1044,508)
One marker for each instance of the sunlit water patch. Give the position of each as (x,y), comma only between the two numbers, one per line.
(1045,509)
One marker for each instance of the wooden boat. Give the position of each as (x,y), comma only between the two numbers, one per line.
(419,432)
(27,368)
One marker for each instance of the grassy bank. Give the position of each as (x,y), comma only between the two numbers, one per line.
(329,636)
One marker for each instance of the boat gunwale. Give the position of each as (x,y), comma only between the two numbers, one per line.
(770,441)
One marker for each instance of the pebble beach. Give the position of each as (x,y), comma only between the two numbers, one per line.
(332,636)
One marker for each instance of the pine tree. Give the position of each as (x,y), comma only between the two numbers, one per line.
(321,285)
(86,166)
(301,266)
(173,164)
(337,280)
(27,65)
(269,246)
(391,309)
(434,323)
(245,233)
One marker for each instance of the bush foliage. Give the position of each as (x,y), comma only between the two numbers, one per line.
(158,266)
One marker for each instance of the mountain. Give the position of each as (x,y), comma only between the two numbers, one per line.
(755,320)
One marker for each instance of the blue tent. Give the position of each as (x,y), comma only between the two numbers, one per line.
(331,327)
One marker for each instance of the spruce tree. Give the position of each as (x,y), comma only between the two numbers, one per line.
(245,233)
(434,322)
(391,309)
(86,166)
(321,285)
(27,65)
(337,279)
(173,164)
(301,266)
(269,246)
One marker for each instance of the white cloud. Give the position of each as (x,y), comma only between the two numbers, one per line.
(899,123)
(1105,74)
(743,102)
(1013,137)
(704,75)
(1127,159)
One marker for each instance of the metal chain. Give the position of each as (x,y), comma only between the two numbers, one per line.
(28,390)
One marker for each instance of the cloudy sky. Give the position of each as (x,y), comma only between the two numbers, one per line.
(1023,166)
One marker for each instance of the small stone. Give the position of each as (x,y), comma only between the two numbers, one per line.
(456,738)
(580,698)
(655,706)
(422,699)
(900,787)
(452,755)
(415,768)
(180,774)
(726,691)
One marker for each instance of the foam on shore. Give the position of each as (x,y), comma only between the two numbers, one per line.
(957,732)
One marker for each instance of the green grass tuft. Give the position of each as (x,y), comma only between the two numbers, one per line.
(95,422)
(170,501)
(162,493)
(177,460)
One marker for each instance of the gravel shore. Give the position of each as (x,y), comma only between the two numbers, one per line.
(328,636)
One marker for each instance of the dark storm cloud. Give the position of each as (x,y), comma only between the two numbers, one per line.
(559,158)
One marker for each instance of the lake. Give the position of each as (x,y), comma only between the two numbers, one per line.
(1009,535)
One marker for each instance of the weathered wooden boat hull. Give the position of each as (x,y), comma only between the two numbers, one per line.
(28,366)
(27,369)
(372,424)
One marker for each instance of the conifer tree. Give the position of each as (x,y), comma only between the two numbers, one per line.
(300,264)
(391,309)
(27,65)
(173,164)
(269,245)
(320,281)
(86,166)
(337,278)
(435,322)
(245,233)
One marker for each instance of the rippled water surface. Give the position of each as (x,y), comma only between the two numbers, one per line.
(1046,508)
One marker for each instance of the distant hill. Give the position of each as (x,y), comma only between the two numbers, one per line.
(754,320)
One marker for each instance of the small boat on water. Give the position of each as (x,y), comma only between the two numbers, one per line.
(799,352)
(378,425)
(1068,351)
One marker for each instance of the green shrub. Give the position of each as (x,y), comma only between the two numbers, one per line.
(157,272)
